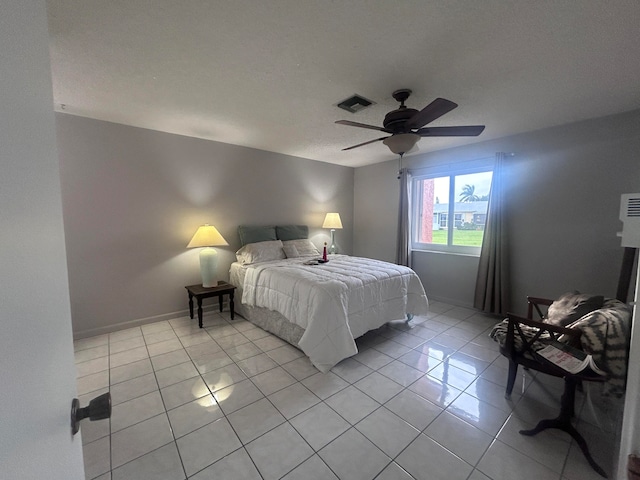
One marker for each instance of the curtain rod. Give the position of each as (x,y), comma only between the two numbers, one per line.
(455,163)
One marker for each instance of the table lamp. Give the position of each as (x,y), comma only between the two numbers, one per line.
(208,236)
(332,221)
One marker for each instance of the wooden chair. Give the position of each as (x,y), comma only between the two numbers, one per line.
(522,337)
(519,342)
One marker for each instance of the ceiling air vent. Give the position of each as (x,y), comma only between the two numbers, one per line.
(355,103)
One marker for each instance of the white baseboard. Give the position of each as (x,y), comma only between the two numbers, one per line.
(143,321)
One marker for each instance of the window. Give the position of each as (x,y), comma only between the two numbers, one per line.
(450,210)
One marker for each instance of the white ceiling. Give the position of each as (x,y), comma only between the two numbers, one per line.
(267,74)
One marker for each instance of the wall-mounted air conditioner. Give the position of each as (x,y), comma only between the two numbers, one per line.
(630,216)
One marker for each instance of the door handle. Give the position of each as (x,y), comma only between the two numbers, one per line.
(98,409)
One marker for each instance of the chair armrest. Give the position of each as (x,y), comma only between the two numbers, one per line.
(536,302)
(555,331)
(549,327)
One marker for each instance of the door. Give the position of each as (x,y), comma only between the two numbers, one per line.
(37,372)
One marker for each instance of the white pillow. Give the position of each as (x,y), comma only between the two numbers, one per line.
(304,247)
(260,252)
(290,251)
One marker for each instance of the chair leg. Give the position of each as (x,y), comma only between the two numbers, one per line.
(511,379)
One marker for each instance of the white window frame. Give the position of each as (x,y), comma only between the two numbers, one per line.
(451,171)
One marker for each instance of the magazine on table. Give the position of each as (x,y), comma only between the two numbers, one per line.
(569,358)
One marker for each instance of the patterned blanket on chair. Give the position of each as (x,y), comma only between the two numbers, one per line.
(606,333)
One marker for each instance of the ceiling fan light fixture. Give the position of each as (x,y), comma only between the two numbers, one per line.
(401,142)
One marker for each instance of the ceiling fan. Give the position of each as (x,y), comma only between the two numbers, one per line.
(407,125)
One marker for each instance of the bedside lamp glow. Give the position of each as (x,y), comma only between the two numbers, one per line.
(332,221)
(208,236)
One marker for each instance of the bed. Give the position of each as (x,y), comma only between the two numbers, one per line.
(319,308)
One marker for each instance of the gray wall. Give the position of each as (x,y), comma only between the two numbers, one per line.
(564,186)
(375,223)
(133,199)
(37,371)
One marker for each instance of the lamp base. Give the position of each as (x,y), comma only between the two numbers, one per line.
(332,247)
(208,263)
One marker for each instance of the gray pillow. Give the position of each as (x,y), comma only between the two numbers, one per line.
(252,234)
(572,306)
(292,232)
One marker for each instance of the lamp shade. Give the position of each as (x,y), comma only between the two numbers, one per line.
(332,220)
(207,236)
(401,142)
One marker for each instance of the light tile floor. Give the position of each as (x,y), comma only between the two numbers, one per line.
(423,400)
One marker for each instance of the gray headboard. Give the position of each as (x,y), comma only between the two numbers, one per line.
(253,234)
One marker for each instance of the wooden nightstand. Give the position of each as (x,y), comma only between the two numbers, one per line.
(201,292)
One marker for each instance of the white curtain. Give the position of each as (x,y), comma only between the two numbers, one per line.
(403,253)
(492,283)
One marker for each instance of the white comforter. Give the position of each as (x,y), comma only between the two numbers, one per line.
(334,302)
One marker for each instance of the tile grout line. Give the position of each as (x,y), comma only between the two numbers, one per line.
(395,358)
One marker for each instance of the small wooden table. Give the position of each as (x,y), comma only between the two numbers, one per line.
(201,292)
(567,410)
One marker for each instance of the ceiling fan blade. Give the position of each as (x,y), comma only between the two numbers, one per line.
(363,144)
(362,125)
(431,112)
(462,131)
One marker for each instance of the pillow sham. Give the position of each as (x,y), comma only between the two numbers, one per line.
(304,247)
(260,252)
(252,234)
(572,306)
(290,251)
(292,232)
